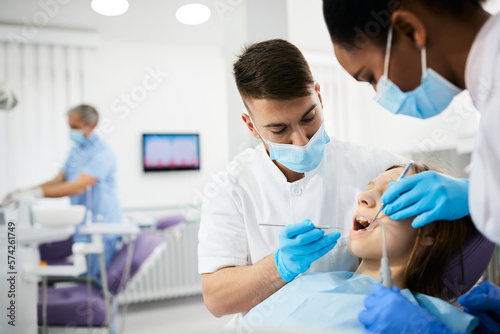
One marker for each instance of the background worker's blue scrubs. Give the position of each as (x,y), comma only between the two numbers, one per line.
(97,159)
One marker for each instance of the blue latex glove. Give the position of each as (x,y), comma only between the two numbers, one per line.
(300,245)
(483,302)
(429,196)
(388,311)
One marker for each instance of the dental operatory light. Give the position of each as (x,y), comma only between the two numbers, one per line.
(109,7)
(193,14)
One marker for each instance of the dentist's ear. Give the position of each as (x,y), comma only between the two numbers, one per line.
(317,88)
(248,121)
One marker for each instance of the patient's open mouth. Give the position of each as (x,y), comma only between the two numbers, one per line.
(361,223)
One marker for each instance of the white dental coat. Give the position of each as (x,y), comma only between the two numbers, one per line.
(482,79)
(253,190)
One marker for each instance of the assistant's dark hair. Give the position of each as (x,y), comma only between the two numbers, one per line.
(354,23)
(425,268)
(274,70)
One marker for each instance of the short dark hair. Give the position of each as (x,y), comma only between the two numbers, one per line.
(274,70)
(352,23)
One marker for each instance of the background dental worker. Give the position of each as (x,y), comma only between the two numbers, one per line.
(424,53)
(90,162)
(297,175)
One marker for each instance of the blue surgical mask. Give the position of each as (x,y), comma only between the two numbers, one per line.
(300,159)
(428,100)
(77,136)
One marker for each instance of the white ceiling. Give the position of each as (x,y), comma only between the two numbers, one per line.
(146,20)
(154,20)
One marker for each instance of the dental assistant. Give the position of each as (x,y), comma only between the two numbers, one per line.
(90,162)
(298,175)
(424,53)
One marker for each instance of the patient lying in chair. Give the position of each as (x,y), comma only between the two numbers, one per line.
(417,257)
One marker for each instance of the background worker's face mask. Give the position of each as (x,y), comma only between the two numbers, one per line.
(300,159)
(429,99)
(77,136)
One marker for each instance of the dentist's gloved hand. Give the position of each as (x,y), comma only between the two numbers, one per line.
(483,302)
(429,195)
(300,245)
(388,311)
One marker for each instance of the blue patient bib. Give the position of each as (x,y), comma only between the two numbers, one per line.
(326,301)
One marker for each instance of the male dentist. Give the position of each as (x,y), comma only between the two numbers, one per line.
(297,176)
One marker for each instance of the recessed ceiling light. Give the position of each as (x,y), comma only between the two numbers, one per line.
(193,14)
(109,7)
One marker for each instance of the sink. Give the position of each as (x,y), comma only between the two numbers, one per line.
(59,217)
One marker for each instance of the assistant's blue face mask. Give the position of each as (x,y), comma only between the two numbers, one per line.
(300,159)
(428,100)
(77,136)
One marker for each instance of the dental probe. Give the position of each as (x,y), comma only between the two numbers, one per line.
(321,227)
(385,270)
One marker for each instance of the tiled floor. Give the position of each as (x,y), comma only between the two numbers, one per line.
(176,316)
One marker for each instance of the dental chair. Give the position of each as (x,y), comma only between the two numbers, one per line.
(56,253)
(476,254)
(169,221)
(80,305)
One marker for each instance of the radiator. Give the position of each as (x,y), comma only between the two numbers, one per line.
(171,271)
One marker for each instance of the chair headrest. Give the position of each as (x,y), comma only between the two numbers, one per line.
(476,253)
(56,250)
(144,245)
(169,221)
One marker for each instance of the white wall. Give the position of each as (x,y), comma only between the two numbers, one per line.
(191,98)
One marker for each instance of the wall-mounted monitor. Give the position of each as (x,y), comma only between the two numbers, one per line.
(168,151)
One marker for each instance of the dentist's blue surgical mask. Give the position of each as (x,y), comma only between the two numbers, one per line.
(300,159)
(77,136)
(429,99)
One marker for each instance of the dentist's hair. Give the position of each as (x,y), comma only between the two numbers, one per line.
(273,70)
(87,113)
(426,266)
(353,23)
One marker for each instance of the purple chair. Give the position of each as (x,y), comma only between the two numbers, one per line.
(169,221)
(56,253)
(476,255)
(70,305)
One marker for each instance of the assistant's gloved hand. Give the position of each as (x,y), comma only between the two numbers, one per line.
(14,197)
(388,311)
(429,195)
(483,302)
(300,245)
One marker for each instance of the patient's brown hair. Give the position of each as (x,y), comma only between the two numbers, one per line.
(425,268)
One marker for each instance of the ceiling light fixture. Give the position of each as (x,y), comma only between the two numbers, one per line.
(193,14)
(109,7)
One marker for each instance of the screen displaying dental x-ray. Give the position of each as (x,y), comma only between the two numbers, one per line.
(168,152)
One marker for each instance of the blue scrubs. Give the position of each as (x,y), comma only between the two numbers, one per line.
(97,159)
